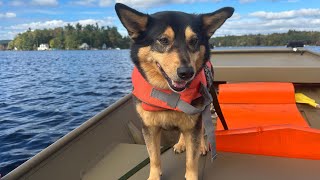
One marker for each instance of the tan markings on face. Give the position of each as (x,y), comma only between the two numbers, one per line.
(144,54)
(150,68)
(189,34)
(169,33)
(200,56)
(196,58)
(168,61)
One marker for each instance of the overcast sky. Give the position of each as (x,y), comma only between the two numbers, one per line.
(251,16)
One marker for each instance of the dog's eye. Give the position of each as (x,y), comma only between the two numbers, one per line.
(194,41)
(164,41)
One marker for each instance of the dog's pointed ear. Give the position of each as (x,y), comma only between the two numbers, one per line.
(134,21)
(212,21)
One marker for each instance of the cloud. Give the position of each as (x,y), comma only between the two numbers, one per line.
(1,3)
(34,3)
(48,12)
(252,25)
(154,3)
(286,14)
(91,12)
(12,31)
(235,16)
(84,2)
(7,34)
(104,3)
(16,3)
(44,2)
(142,3)
(8,15)
(293,1)
(109,21)
(101,3)
(246,1)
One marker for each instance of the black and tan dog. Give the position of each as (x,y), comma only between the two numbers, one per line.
(168,49)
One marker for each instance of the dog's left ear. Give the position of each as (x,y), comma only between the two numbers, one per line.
(212,21)
(134,21)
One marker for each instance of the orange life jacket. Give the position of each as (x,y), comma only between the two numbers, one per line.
(142,90)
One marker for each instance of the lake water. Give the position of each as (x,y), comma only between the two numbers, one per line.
(45,95)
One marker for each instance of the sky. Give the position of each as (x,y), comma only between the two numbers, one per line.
(250,17)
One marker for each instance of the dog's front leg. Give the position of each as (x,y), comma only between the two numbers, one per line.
(192,139)
(152,136)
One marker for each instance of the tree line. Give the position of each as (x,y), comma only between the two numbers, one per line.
(275,39)
(71,37)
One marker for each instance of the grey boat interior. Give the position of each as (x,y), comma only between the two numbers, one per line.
(110,144)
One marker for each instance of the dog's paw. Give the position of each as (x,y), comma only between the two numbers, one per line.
(179,148)
(203,149)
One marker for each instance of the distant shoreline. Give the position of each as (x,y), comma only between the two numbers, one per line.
(219,47)
(68,50)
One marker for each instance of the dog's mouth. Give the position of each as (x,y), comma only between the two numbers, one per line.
(177,86)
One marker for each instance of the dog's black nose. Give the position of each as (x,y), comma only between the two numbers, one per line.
(185,73)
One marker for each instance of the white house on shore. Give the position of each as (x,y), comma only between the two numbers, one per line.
(43,47)
(104,46)
(84,46)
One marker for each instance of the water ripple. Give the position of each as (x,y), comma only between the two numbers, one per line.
(44,95)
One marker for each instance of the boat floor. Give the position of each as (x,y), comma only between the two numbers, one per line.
(227,166)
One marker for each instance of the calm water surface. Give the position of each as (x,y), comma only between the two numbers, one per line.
(45,95)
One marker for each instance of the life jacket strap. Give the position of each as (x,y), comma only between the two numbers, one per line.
(173,100)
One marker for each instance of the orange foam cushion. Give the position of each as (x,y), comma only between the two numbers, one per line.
(256,115)
(247,105)
(257,93)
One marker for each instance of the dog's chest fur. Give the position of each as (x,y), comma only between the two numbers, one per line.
(167,119)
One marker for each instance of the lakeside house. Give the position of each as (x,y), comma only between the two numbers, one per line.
(84,46)
(3,47)
(104,47)
(43,47)
(4,44)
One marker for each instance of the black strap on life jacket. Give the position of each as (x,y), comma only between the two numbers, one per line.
(209,73)
(217,108)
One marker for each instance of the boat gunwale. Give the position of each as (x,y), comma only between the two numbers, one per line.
(63,141)
(264,50)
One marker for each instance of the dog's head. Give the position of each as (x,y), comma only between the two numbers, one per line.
(170,47)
